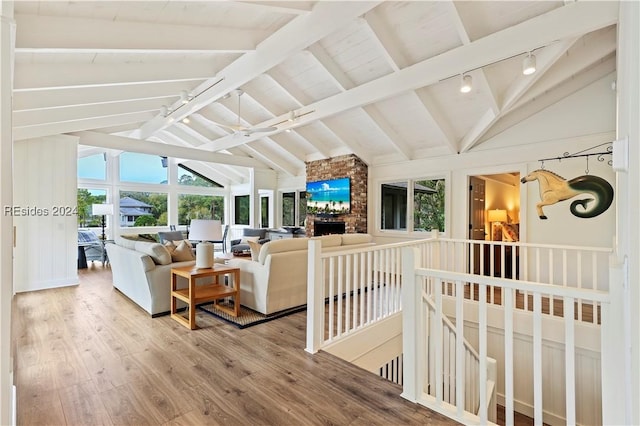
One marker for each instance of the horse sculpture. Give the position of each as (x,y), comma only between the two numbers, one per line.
(555,188)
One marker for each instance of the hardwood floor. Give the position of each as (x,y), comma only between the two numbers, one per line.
(87,355)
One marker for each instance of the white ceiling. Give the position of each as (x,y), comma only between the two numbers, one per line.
(378,79)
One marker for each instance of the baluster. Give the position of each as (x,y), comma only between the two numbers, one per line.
(537,359)
(339,293)
(569,356)
(346,296)
(508,355)
(579,282)
(331,299)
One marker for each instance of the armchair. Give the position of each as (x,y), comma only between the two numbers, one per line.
(238,245)
(90,248)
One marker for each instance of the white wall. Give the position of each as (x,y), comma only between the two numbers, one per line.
(45,179)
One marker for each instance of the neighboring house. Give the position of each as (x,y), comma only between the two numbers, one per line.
(131,209)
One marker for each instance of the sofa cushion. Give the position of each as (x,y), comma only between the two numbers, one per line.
(279,246)
(330,240)
(156,251)
(181,251)
(126,242)
(348,239)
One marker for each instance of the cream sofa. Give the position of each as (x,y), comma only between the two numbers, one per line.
(278,279)
(142,272)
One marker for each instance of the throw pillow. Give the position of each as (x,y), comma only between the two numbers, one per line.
(255,249)
(245,240)
(156,251)
(181,251)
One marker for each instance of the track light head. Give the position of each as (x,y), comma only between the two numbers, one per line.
(292,117)
(184,97)
(186,120)
(164,110)
(466,84)
(529,64)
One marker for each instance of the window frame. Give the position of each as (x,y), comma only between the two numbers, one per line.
(410,228)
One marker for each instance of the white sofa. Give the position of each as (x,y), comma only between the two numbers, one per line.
(278,279)
(142,272)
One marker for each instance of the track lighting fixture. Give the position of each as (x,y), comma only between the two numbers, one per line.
(529,64)
(164,110)
(292,117)
(184,97)
(186,120)
(466,83)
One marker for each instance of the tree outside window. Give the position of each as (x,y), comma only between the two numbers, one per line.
(241,214)
(86,198)
(192,206)
(428,205)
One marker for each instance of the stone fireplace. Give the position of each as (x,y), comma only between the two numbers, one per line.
(349,166)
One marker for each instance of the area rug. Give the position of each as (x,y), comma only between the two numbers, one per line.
(248,317)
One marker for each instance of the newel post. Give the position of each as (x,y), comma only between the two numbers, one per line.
(315,297)
(411,325)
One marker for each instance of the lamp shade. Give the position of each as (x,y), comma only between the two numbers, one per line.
(205,230)
(497,215)
(101,209)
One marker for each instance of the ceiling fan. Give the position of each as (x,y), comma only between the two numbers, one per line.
(239,129)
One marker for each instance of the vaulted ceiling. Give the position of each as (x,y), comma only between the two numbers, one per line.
(320,79)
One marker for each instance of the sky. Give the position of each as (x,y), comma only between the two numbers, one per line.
(134,167)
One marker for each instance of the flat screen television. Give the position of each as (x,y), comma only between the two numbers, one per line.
(331,196)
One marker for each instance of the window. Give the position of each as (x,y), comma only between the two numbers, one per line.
(92,167)
(187,176)
(264,211)
(302,208)
(143,209)
(86,198)
(394,206)
(428,205)
(142,168)
(191,206)
(241,213)
(288,209)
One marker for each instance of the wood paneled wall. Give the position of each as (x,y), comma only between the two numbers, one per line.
(44,196)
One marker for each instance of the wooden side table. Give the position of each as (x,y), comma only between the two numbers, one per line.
(197,294)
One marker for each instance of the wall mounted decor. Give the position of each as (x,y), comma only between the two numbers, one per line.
(555,188)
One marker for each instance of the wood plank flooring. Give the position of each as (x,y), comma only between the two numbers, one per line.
(86,355)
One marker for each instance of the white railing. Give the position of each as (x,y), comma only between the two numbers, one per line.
(425,372)
(353,288)
(441,346)
(561,265)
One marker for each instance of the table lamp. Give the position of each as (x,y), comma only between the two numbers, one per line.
(205,230)
(494,216)
(102,210)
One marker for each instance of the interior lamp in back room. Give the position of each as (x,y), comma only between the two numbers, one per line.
(204,231)
(493,217)
(102,210)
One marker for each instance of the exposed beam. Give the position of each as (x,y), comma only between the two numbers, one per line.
(565,22)
(210,172)
(298,34)
(67,34)
(481,77)
(25,99)
(49,129)
(344,83)
(438,118)
(385,39)
(68,75)
(155,148)
(82,112)
(288,7)
(275,163)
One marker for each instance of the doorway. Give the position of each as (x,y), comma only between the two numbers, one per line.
(494,209)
